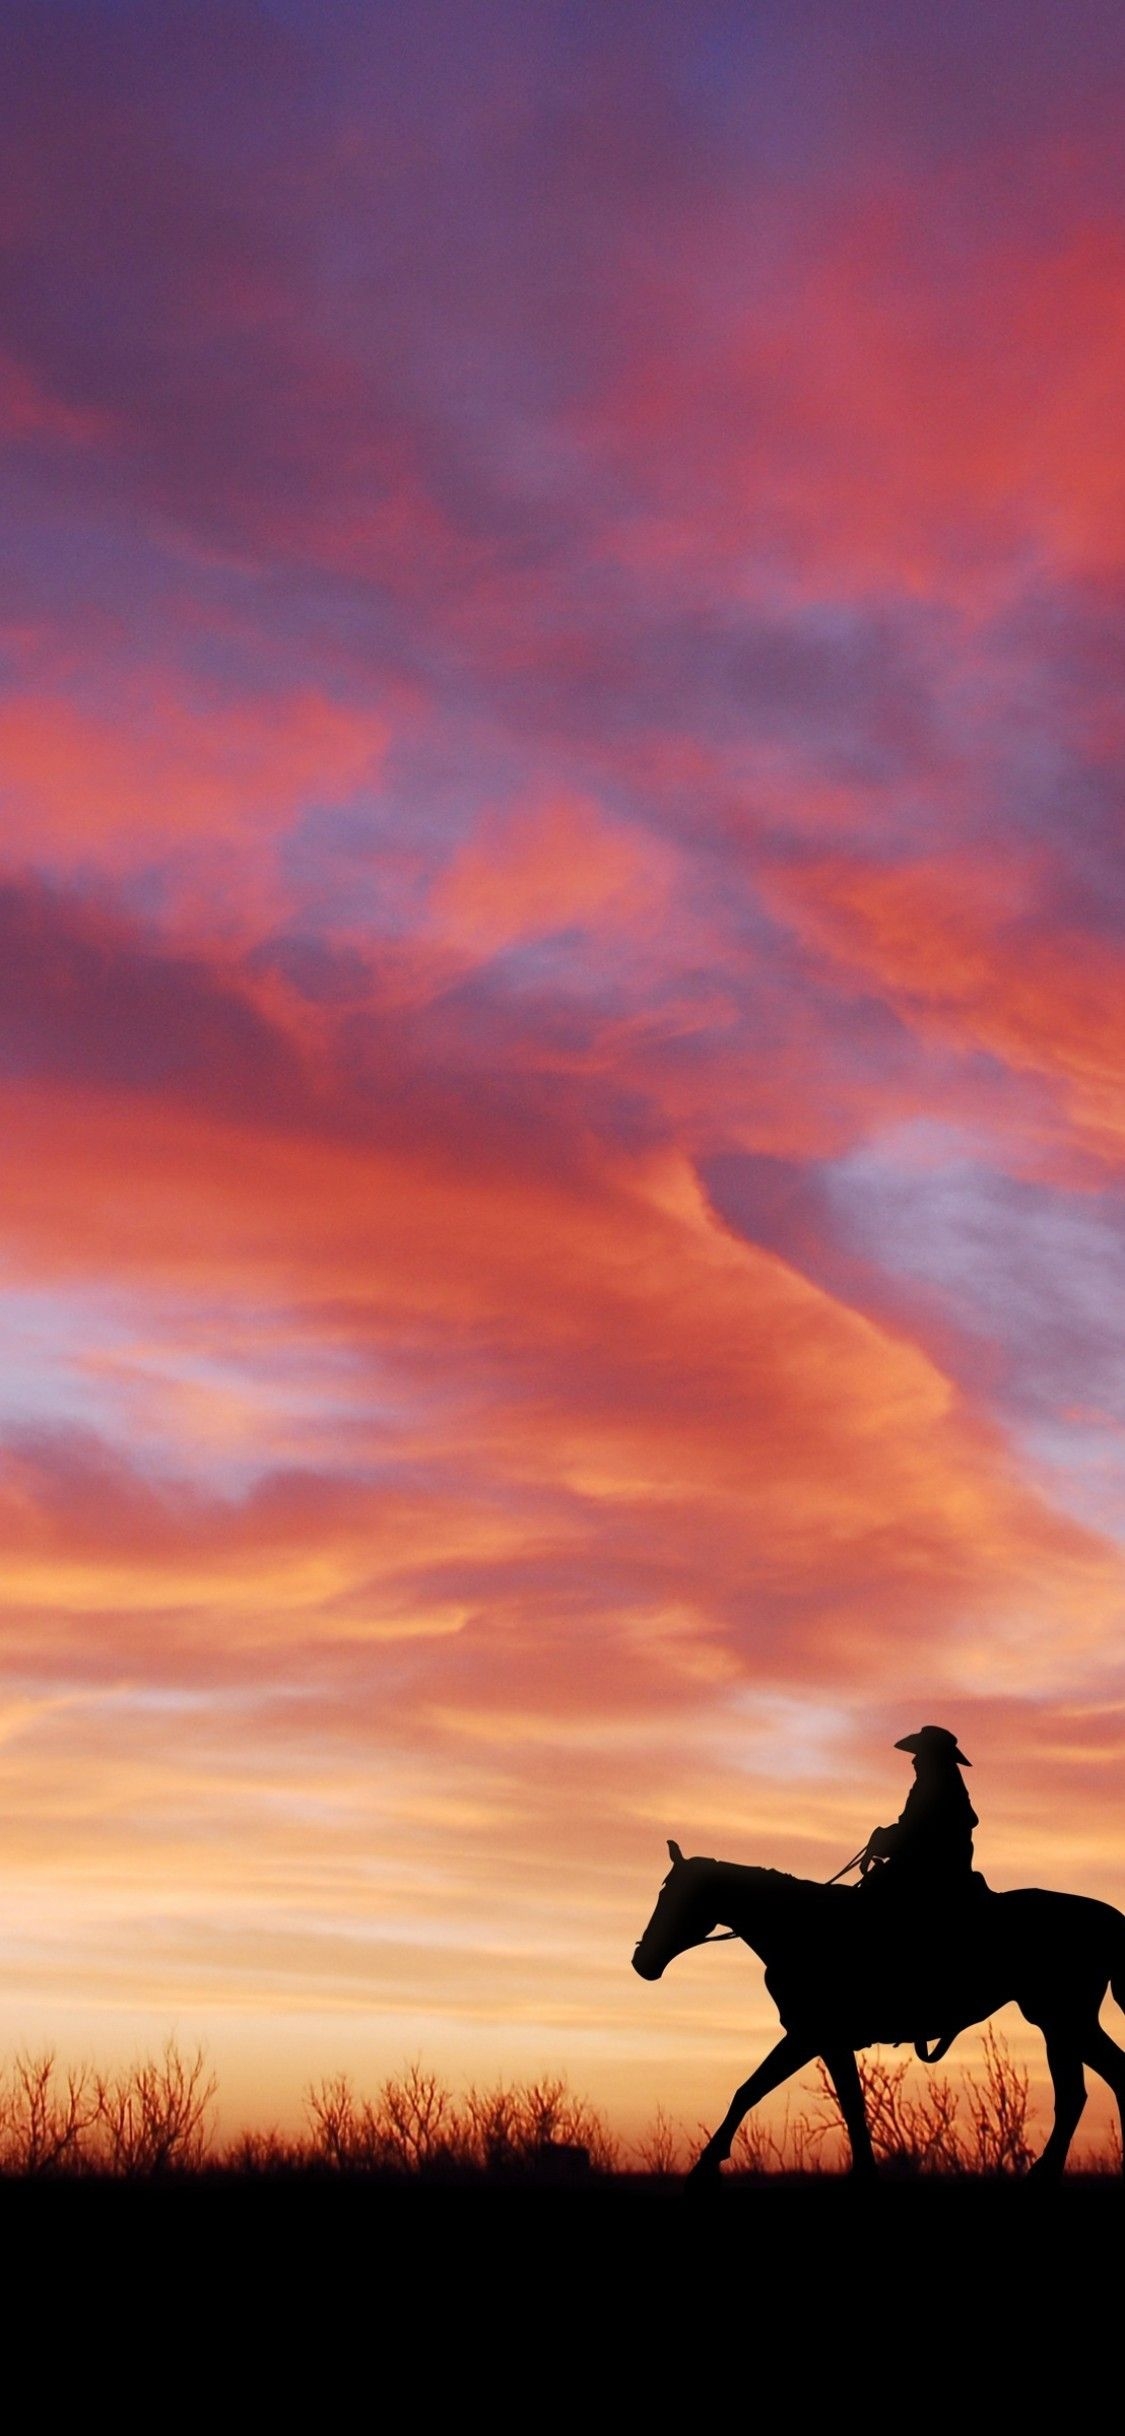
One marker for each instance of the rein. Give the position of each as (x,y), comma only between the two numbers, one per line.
(854,1863)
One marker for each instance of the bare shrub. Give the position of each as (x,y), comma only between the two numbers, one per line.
(414,2126)
(924,2131)
(512,2127)
(153,2119)
(264,2152)
(909,2135)
(417,2125)
(496,2130)
(756,2148)
(410,2127)
(555,2116)
(937,2129)
(342,2130)
(1107,2159)
(999,2111)
(793,2145)
(46,2117)
(660,2149)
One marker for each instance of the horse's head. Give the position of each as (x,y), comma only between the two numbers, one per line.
(685,1914)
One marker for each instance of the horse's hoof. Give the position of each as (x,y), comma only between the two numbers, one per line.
(704,2175)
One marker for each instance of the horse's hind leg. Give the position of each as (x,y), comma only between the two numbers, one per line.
(1104,2055)
(786,2058)
(1064,2057)
(846,2082)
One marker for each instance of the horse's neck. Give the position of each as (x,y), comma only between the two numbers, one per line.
(751,1901)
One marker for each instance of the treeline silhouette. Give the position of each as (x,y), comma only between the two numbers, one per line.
(155,2121)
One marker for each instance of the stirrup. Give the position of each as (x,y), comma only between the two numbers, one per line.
(933,2055)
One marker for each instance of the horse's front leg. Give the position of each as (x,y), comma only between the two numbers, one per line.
(790,2055)
(846,2082)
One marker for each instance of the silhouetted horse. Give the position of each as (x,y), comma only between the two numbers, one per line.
(843,1976)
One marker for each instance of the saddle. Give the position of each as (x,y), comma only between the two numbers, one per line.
(920,1947)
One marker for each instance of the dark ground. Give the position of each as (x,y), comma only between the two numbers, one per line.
(961,2300)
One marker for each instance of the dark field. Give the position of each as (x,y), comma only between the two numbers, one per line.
(913,2301)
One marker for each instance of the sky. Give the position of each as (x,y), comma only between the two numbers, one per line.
(561,1011)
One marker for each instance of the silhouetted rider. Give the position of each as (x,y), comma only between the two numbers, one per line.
(929,1850)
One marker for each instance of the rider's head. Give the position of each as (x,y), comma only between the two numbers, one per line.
(933,1747)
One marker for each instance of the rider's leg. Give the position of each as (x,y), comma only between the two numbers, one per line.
(790,2054)
(849,2090)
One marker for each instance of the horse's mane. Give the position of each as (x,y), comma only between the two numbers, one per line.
(779,1879)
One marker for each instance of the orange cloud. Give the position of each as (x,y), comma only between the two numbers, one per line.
(786,1480)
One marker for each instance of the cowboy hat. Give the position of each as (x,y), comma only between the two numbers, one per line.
(938,1741)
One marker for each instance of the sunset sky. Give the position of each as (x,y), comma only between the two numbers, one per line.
(561,736)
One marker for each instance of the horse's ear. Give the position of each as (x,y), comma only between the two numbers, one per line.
(674,1849)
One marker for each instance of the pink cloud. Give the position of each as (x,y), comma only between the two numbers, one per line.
(157,770)
(548,866)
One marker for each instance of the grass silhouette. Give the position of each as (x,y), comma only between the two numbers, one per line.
(154,2122)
